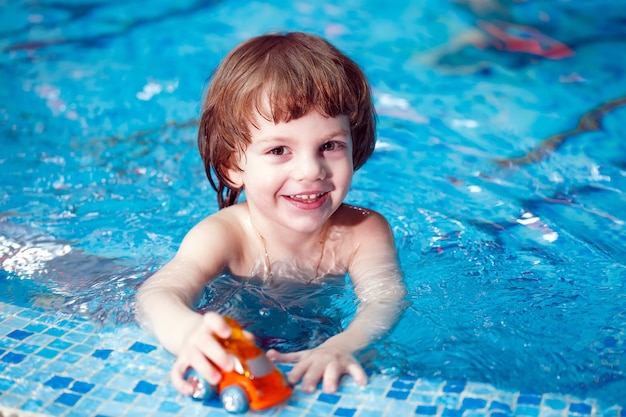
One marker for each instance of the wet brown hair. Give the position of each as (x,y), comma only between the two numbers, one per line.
(295,73)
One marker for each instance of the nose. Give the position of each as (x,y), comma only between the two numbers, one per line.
(310,168)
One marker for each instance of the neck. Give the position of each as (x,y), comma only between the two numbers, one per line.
(296,249)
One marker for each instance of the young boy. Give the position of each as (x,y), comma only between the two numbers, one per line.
(287,119)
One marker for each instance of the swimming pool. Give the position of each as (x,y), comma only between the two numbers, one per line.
(513,255)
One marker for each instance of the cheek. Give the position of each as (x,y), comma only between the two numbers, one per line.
(259,182)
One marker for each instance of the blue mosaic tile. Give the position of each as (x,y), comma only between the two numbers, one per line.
(68,324)
(16,323)
(93,340)
(58,382)
(78,413)
(81,387)
(400,408)
(398,395)
(454,386)
(170,407)
(75,337)
(473,403)
(41,339)
(142,347)
(53,331)
(345,412)
(69,357)
(68,399)
(112,409)
(112,379)
(19,334)
(5,384)
(451,412)
(426,399)
(448,400)
(28,314)
(55,368)
(290,412)
(102,353)
(427,410)
(555,404)
(580,408)
(87,328)
(530,400)
(122,383)
(141,412)
(124,397)
(7,343)
(55,409)
(31,405)
(428,386)
(496,405)
(26,348)
(18,372)
(403,384)
(47,353)
(59,344)
(328,398)
(145,387)
(11,357)
(134,372)
(102,392)
(526,411)
(82,349)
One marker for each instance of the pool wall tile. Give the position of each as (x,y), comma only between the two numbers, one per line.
(75,368)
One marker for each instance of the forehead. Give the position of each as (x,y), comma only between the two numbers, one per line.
(312,126)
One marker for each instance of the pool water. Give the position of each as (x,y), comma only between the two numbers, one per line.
(500,164)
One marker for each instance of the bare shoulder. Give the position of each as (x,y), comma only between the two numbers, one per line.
(364,236)
(218,235)
(363,221)
(374,259)
(226,220)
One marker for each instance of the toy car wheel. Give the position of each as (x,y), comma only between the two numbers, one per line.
(202,390)
(234,399)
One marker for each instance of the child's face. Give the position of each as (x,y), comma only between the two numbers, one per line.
(297,174)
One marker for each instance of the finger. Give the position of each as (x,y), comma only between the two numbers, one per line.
(331,378)
(179,382)
(249,336)
(216,325)
(310,379)
(357,372)
(276,356)
(297,372)
(208,371)
(201,365)
(215,352)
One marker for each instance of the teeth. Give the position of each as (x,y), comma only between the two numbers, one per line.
(306,196)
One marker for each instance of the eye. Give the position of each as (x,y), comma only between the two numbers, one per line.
(278,151)
(332,146)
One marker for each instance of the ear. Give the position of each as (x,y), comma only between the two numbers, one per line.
(235,176)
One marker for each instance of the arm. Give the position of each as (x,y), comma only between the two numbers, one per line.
(377,280)
(165,304)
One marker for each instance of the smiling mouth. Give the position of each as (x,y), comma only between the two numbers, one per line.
(306,198)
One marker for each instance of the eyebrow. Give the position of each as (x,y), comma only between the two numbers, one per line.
(333,134)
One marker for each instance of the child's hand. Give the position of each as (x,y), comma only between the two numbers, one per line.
(327,363)
(202,352)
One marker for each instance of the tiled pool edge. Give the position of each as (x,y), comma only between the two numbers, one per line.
(12,412)
(54,364)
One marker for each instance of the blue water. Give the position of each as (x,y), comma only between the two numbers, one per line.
(515,271)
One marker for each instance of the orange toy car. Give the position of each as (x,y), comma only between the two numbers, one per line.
(254,383)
